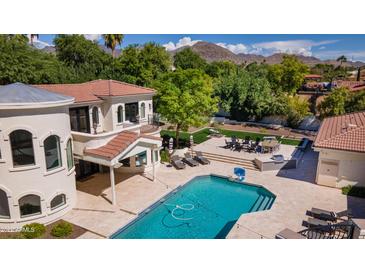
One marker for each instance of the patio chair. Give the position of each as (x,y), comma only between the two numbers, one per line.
(228,144)
(177,162)
(314,222)
(289,234)
(189,160)
(329,215)
(201,159)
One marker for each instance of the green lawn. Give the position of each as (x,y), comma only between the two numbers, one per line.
(202,136)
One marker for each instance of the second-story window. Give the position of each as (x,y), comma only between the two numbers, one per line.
(95,113)
(143,110)
(120,114)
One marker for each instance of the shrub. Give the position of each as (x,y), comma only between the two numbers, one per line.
(62,229)
(164,156)
(33,230)
(356,191)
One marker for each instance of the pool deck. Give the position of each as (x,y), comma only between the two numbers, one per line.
(294,189)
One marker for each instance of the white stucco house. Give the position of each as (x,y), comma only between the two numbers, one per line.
(51,135)
(341,146)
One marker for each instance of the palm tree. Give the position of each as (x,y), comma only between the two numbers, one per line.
(112,40)
(32,36)
(341,59)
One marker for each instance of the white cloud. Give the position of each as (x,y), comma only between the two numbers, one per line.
(300,47)
(185,41)
(92,37)
(235,48)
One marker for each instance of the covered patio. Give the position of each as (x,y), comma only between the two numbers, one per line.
(121,154)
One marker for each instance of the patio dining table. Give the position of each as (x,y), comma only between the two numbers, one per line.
(270,145)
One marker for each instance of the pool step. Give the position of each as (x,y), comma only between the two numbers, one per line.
(263,202)
(249,164)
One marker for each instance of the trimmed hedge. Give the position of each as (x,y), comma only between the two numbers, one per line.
(62,230)
(355,191)
(33,230)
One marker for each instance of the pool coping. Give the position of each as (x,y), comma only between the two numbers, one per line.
(174,191)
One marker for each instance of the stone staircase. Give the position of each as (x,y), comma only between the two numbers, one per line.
(245,163)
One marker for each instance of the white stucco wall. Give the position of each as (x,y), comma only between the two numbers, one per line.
(111,105)
(34,179)
(350,169)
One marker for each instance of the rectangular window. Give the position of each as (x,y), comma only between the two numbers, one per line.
(141,159)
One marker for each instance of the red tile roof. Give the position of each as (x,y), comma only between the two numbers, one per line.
(117,145)
(93,90)
(344,132)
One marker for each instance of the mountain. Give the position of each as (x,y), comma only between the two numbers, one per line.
(212,52)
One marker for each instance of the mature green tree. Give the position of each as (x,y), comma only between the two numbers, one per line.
(220,68)
(185,98)
(111,41)
(355,102)
(188,59)
(20,62)
(274,76)
(85,57)
(288,76)
(244,95)
(335,103)
(142,65)
(297,109)
(342,59)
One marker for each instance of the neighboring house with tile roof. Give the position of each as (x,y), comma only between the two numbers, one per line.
(341,146)
(50,134)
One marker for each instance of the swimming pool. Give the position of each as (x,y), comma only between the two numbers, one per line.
(206,207)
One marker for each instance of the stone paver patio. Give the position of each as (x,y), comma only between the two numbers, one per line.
(294,189)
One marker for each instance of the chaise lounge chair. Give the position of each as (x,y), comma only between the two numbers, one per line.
(201,159)
(328,215)
(314,222)
(289,234)
(177,162)
(189,160)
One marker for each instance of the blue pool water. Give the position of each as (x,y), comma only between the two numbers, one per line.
(205,208)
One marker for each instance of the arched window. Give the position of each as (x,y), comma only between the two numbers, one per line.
(95,115)
(21,142)
(58,201)
(150,106)
(30,205)
(52,152)
(4,205)
(120,114)
(70,156)
(143,110)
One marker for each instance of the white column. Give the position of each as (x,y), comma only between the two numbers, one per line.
(112,184)
(153,164)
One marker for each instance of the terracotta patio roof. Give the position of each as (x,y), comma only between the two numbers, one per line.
(93,90)
(117,145)
(343,132)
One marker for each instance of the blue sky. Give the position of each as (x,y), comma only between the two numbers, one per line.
(321,46)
